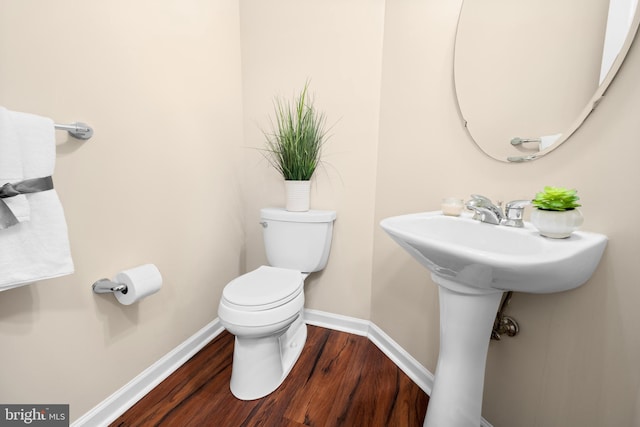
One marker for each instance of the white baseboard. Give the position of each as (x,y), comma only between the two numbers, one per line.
(116,404)
(398,355)
(123,399)
(337,322)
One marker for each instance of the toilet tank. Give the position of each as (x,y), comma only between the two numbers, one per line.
(297,240)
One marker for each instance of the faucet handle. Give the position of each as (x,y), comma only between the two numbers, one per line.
(518,204)
(513,212)
(484,209)
(481,199)
(475,202)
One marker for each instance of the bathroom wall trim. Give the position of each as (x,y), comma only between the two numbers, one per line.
(116,404)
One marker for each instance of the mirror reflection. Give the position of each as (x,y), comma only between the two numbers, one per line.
(527,73)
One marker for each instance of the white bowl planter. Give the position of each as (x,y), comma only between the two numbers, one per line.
(556,224)
(297,195)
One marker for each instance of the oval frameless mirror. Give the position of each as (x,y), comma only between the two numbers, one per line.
(528,73)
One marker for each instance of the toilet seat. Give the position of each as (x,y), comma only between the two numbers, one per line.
(263,288)
(262,297)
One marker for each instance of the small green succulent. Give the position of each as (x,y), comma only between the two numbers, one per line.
(556,199)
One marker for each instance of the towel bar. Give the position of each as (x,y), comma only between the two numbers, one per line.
(77,130)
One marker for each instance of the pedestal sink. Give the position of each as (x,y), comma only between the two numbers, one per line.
(473,264)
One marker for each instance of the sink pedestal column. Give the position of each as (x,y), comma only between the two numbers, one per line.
(466,321)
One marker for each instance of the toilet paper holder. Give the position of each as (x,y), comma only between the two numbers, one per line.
(131,285)
(105,286)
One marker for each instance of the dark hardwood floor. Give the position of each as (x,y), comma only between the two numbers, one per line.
(340,379)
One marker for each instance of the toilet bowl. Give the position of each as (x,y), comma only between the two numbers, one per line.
(264,308)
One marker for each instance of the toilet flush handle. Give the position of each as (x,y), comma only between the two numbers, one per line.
(264,224)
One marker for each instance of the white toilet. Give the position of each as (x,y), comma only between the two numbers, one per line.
(264,308)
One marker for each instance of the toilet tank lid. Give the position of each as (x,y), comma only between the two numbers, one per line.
(280,214)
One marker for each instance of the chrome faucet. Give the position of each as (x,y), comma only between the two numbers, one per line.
(486,211)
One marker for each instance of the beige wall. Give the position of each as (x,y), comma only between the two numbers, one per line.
(160,84)
(178,92)
(284,44)
(575,362)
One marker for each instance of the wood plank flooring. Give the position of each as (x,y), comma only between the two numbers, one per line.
(340,379)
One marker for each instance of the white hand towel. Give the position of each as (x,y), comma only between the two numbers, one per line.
(37,249)
(11,164)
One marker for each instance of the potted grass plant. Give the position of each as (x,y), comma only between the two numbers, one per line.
(294,146)
(556,214)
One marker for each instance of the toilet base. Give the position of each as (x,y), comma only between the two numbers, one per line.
(260,365)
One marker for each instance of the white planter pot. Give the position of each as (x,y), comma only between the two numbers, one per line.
(297,195)
(556,224)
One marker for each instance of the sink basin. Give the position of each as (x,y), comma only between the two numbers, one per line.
(486,256)
(473,264)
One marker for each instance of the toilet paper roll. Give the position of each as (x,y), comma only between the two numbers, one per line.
(141,282)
